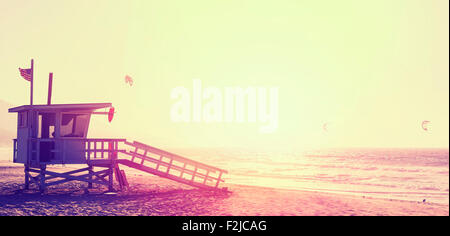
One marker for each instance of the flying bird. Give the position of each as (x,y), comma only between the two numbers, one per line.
(129,80)
(425,125)
(325,127)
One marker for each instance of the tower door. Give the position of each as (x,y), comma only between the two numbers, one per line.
(46,135)
(23,133)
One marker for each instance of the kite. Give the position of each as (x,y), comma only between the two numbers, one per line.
(129,80)
(424,125)
(325,127)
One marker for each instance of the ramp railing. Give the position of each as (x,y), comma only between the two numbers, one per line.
(172,166)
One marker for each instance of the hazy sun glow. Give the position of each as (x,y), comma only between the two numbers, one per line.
(371,70)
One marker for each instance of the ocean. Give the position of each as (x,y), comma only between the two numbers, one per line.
(402,174)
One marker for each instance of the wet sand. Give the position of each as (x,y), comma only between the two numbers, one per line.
(151,195)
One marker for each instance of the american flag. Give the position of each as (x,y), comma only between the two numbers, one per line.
(26,73)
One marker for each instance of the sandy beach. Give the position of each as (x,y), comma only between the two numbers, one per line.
(150,195)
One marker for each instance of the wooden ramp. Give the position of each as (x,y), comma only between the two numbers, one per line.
(171,166)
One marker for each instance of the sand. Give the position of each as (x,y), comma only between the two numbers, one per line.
(151,195)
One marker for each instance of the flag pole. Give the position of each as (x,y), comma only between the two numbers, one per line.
(50,81)
(31,85)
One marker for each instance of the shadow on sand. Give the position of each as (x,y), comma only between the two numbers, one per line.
(71,199)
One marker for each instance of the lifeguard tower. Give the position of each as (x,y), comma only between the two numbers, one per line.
(55,134)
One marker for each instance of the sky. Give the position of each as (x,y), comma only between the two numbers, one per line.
(371,70)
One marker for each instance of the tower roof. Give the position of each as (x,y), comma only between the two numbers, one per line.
(61,107)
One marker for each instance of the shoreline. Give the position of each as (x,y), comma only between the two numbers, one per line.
(357,194)
(152,195)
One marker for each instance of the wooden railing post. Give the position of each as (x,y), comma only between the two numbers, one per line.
(168,167)
(142,160)
(134,154)
(103,149)
(206,177)
(87,148)
(193,175)
(182,171)
(218,179)
(160,160)
(95,149)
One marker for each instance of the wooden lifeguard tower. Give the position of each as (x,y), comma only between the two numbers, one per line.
(55,134)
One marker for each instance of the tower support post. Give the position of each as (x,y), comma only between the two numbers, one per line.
(42,185)
(27,177)
(111,179)
(91,173)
